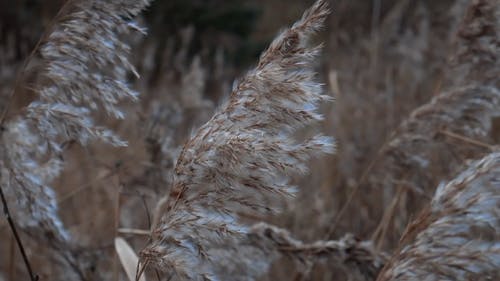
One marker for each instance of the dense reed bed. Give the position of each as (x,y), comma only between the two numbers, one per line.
(131,153)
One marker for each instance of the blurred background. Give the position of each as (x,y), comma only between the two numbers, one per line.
(381,60)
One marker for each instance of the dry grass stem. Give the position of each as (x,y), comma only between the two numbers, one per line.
(348,251)
(128,258)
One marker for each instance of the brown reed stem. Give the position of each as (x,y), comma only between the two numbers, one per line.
(468,140)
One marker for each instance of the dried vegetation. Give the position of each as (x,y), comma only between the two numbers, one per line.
(237,191)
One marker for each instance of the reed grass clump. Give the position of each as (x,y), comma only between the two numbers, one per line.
(214,203)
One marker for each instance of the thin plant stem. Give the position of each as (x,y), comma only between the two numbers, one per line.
(468,140)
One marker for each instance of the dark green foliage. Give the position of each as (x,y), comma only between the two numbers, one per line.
(216,23)
(236,17)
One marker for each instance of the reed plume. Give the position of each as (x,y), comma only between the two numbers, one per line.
(454,239)
(478,45)
(240,161)
(435,141)
(472,101)
(457,236)
(83,70)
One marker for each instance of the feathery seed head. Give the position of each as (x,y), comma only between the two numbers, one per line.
(457,236)
(85,67)
(240,161)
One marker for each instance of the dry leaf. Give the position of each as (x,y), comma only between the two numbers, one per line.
(128,258)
